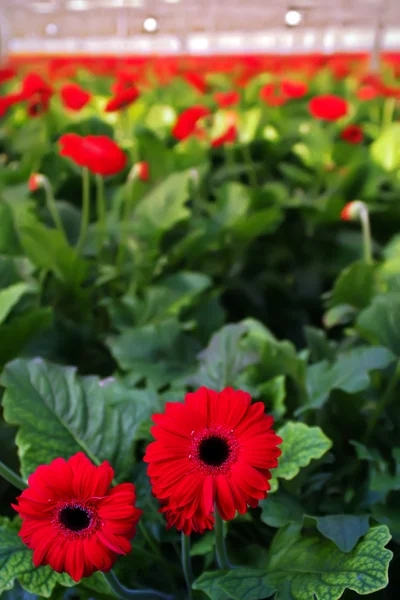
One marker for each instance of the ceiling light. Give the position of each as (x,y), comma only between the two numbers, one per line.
(172,1)
(150,24)
(51,29)
(44,7)
(77,5)
(293,18)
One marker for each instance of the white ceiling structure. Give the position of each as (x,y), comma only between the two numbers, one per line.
(197,26)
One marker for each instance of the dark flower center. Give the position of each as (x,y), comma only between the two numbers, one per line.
(75,518)
(214,451)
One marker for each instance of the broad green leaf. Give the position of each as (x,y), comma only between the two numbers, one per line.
(204,545)
(350,373)
(48,249)
(223,360)
(10,296)
(311,567)
(300,445)
(239,584)
(259,222)
(281,508)
(158,352)
(355,286)
(9,243)
(273,394)
(233,202)
(16,563)
(81,414)
(21,330)
(14,269)
(380,322)
(318,344)
(385,150)
(343,530)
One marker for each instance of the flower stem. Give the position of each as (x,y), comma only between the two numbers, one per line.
(366,232)
(381,405)
(51,204)
(249,162)
(85,209)
(101,210)
(9,475)
(187,563)
(222,555)
(127,209)
(388,111)
(126,594)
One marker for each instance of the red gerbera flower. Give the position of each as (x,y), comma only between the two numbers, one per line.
(352,210)
(226,99)
(37,93)
(198,522)
(294,89)
(98,153)
(214,449)
(197,81)
(186,124)
(142,170)
(229,136)
(123,99)
(6,74)
(272,96)
(367,92)
(35,182)
(352,134)
(73,520)
(328,107)
(74,97)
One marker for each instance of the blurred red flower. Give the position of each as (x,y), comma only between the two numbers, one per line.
(353,134)
(293,89)
(74,97)
(122,100)
(226,99)
(6,74)
(186,124)
(142,170)
(98,153)
(37,93)
(229,136)
(197,81)
(271,95)
(7,101)
(367,92)
(328,107)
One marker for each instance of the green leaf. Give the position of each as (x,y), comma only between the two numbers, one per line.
(48,249)
(204,545)
(81,413)
(355,286)
(10,296)
(273,394)
(259,222)
(158,352)
(9,243)
(350,373)
(385,150)
(16,563)
(311,567)
(239,584)
(343,530)
(320,347)
(233,202)
(21,330)
(223,360)
(380,322)
(281,508)
(300,445)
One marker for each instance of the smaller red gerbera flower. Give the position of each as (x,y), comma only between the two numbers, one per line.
(186,124)
(271,95)
(73,520)
(142,170)
(226,99)
(367,92)
(328,107)
(98,153)
(293,89)
(352,210)
(35,84)
(229,137)
(353,134)
(122,100)
(74,97)
(198,522)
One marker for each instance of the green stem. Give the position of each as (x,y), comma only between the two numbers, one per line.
(187,563)
(85,209)
(222,555)
(125,218)
(9,475)
(126,594)
(51,204)
(101,210)
(249,162)
(366,233)
(388,111)
(381,405)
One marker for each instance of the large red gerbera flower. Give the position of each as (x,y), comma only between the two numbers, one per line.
(198,522)
(123,99)
(353,134)
(72,519)
(186,124)
(214,449)
(329,107)
(74,97)
(98,153)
